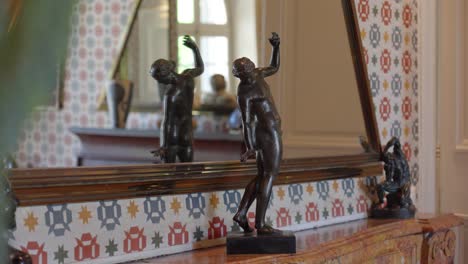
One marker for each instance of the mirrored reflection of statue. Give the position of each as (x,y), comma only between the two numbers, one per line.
(219,98)
(397,185)
(176,127)
(262,135)
(9,204)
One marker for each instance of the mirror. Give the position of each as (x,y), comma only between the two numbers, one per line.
(148,38)
(319,99)
(316,89)
(322,112)
(294,91)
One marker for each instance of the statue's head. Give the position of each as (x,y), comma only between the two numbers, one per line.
(162,70)
(397,145)
(397,149)
(9,201)
(218,83)
(242,67)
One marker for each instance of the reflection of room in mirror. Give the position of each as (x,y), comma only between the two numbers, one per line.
(221,29)
(149,40)
(323,109)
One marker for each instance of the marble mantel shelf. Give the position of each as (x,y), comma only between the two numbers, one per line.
(427,239)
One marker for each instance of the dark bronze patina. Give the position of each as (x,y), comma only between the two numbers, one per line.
(176,128)
(397,184)
(262,135)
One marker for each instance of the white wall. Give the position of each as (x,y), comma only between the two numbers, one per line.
(453,108)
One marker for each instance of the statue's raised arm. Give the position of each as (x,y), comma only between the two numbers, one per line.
(275,56)
(390,144)
(199,66)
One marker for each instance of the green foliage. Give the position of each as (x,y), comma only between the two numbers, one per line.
(29,53)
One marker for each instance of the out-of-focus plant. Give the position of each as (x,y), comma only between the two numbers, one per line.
(33,39)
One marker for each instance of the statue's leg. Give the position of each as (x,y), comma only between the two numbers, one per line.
(185,142)
(185,154)
(249,196)
(171,154)
(270,156)
(380,193)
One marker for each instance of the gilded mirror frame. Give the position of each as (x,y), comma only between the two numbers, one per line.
(65,185)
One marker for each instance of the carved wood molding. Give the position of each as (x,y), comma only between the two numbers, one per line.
(388,243)
(439,247)
(65,185)
(426,240)
(439,240)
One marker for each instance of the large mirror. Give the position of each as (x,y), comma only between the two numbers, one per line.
(319,95)
(321,91)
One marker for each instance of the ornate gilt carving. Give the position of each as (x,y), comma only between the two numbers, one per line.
(439,247)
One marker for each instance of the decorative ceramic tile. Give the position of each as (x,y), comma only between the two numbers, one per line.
(390,39)
(150,226)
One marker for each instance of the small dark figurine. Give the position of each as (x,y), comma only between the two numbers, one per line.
(119,97)
(397,184)
(262,135)
(15,256)
(176,127)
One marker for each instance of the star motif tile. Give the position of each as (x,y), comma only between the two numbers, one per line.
(132,209)
(175,205)
(84,215)
(111,247)
(61,254)
(198,234)
(157,240)
(335,186)
(214,200)
(281,193)
(298,218)
(31,222)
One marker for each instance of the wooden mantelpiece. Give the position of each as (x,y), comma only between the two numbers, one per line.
(79,184)
(424,240)
(102,146)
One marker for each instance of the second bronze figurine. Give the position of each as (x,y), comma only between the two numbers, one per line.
(176,128)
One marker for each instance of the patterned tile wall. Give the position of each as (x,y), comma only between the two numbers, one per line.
(390,39)
(142,227)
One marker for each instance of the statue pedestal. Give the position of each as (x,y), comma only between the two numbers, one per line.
(251,243)
(393,213)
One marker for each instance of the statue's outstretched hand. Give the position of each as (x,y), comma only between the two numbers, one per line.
(248,154)
(274,40)
(189,43)
(160,152)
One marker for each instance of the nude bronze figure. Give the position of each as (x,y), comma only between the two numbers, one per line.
(176,127)
(262,135)
(397,185)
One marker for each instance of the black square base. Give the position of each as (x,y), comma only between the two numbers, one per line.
(396,213)
(251,243)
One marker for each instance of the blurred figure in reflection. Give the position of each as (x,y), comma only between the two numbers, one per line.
(176,127)
(262,135)
(220,97)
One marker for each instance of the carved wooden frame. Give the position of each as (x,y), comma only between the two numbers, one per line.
(63,185)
